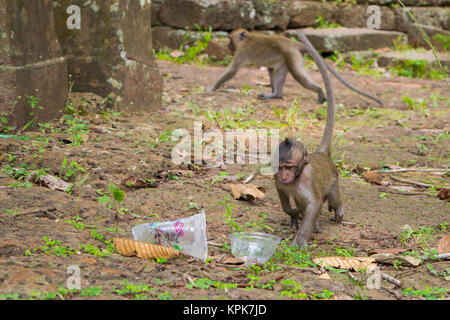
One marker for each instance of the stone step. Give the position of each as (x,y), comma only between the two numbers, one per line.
(392,58)
(349,39)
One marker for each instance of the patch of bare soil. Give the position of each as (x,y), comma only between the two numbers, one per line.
(43,232)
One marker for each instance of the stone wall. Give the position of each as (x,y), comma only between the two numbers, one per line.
(111,53)
(33,73)
(170,17)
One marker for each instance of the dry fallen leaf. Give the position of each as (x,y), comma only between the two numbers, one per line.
(144,250)
(232,261)
(372,177)
(247,192)
(350,263)
(54,183)
(444,244)
(444,194)
(325,276)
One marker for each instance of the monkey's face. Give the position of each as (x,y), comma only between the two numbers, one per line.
(287,172)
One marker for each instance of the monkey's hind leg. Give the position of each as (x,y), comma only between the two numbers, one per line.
(335,202)
(277,78)
(298,71)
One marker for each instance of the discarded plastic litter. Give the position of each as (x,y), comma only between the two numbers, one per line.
(187,234)
(253,247)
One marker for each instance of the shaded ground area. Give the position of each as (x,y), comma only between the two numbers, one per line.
(96,148)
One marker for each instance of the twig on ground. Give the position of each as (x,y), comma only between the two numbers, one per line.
(249,178)
(391,279)
(299,268)
(412,169)
(406,193)
(415,183)
(45,211)
(354,278)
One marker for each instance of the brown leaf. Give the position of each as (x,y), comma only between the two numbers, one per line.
(360,170)
(444,244)
(350,263)
(232,261)
(444,194)
(325,276)
(372,177)
(247,192)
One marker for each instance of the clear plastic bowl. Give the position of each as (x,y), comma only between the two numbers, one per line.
(253,247)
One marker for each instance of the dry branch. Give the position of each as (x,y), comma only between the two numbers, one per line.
(412,169)
(415,183)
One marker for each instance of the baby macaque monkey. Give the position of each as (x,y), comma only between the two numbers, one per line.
(310,179)
(280,55)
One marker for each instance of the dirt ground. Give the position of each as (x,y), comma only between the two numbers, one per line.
(124,150)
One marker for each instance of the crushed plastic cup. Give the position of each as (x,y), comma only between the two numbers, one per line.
(253,247)
(187,235)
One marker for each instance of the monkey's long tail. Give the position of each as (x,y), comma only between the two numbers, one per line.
(348,85)
(325,144)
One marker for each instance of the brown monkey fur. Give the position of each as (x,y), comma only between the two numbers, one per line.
(309,179)
(281,55)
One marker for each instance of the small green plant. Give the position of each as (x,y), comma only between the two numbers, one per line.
(322,24)
(189,53)
(362,294)
(326,294)
(234,226)
(246,89)
(292,255)
(292,289)
(200,283)
(135,290)
(429,293)
(420,236)
(445,39)
(52,246)
(445,273)
(117,194)
(165,296)
(91,291)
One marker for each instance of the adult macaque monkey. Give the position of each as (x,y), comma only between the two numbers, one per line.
(279,55)
(310,179)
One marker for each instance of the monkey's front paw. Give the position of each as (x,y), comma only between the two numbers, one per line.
(209,90)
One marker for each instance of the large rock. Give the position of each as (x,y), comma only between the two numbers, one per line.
(415,37)
(217,14)
(430,16)
(357,16)
(349,39)
(305,13)
(272,14)
(111,55)
(32,68)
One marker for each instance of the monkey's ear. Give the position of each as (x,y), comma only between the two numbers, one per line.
(242,35)
(305,156)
